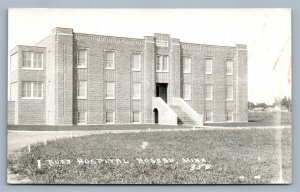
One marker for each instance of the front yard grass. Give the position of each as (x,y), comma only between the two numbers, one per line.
(179,157)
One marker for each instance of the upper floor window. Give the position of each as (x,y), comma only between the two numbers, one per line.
(136,62)
(208,92)
(32,90)
(82,58)
(229,67)
(110,59)
(110,90)
(14,91)
(136,91)
(187,91)
(14,62)
(32,60)
(162,63)
(208,66)
(229,92)
(81,90)
(186,65)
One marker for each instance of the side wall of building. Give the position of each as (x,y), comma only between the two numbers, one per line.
(31,111)
(96,75)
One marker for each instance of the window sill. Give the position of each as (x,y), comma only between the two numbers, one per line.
(208,73)
(81,67)
(208,99)
(135,98)
(187,99)
(32,98)
(33,69)
(81,98)
(162,71)
(81,123)
(109,68)
(229,74)
(137,70)
(187,72)
(136,122)
(229,99)
(109,98)
(110,123)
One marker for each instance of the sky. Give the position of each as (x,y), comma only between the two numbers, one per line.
(266,32)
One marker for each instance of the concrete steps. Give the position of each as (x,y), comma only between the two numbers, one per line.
(182,117)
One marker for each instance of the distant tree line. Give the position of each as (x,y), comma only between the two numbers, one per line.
(285,101)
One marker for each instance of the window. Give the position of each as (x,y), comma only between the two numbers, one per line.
(136,91)
(110,90)
(32,90)
(110,117)
(32,60)
(187,91)
(14,62)
(136,62)
(136,117)
(110,59)
(81,90)
(208,92)
(229,92)
(208,66)
(81,117)
(162,63)
(229,116)
(13,91)
(82,58)
(229,67)
(186,65)
(208,116)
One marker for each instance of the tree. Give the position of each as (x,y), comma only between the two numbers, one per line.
(251,105)
(286,102)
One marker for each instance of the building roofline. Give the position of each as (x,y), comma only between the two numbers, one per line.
(109,36)
(198,44)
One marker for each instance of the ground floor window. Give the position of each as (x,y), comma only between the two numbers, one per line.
(81,119)
(136,117)
(187,91)
(110,117)
(208,116)
(229,116)
(32,90)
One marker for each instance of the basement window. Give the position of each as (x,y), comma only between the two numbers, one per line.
(110,117)
(81,117)
(208,116)
(136,117)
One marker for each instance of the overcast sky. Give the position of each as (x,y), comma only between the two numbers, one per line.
(267,33)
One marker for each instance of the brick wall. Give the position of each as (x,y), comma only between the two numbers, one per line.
(218,79)
(31,111)
(60,75)
(11,112)
(97,76)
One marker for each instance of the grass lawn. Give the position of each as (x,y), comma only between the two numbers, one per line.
(261,119)
(179,157)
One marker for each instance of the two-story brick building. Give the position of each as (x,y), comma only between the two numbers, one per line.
(73,78)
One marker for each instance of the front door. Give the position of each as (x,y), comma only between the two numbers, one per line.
(162,91)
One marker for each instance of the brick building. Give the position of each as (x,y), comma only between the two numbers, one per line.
(73,78)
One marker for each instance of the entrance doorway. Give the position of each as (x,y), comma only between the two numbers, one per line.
(155,111)
(162,91)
